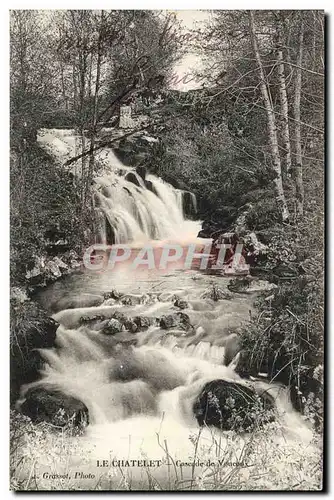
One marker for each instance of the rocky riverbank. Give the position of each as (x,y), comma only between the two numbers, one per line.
(119,321)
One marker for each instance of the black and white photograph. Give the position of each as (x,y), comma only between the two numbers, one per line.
(167,219)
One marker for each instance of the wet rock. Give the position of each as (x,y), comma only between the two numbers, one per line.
(109,302)
(127,301)
(149,185)
(143,322)
(239,285)
(249,285)
(150,298)
(169,321)
(181,304)
(189,203)
(141,170)
(131,299)
(91,319)
(256,251)
(216,293)
(230,405)
(112,295)
(46,270)
(208,228)
(132,177)
(176,183)
(177,320)
(120,316)
(131,326)
(135,299)
(52,270)
(51,406)
(113,326)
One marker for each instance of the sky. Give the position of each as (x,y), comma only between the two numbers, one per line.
(189,18)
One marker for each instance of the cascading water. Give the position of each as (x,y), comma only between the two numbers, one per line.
(135,210)
(140,381)
(139,213)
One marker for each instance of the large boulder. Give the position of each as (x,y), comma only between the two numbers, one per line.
(232,406)
(46,405)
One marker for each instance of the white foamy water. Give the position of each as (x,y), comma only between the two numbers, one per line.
(134,213)
(140,388)
(151,210)
(140,398)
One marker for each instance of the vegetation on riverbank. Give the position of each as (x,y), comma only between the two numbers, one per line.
(232,143)
(249,143)
(235,463)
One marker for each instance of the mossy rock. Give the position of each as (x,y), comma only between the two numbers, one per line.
(232,406)
(43,405)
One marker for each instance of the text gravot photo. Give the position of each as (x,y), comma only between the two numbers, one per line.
(167,250)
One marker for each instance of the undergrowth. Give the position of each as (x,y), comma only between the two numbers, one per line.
(262,460)
(286,338)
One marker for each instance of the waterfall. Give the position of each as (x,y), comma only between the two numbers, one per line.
(140,385)
(130,207)
(151,209)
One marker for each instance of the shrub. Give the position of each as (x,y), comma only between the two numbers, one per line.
(44,198)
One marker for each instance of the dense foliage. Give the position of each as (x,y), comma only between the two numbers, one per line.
(228,143)
(219,146)
(72,69)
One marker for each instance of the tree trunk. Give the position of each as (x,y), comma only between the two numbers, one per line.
(90,75)
(284,105)
(63,88)
(75,93)
(95,103)
(288,42)
(271,121)
(296,111)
